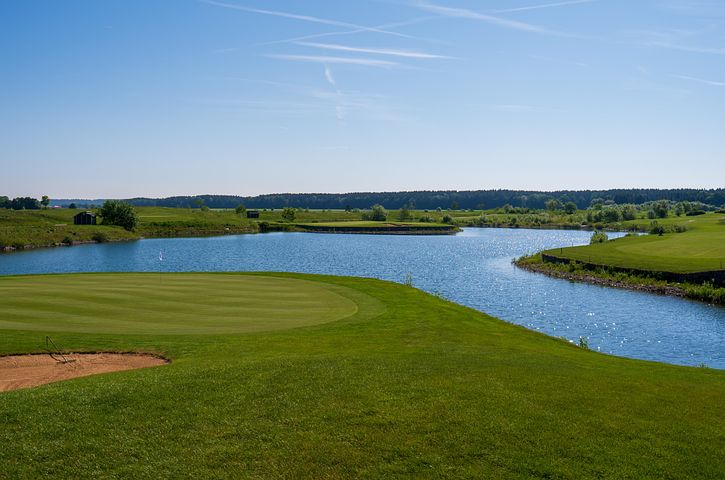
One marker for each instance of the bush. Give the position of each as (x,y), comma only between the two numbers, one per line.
(120,214)
(376,214)
(656,229)
(405,214)
(598,237)
(427,219)
(288,214)
(100,237)
(679,228)
(447,218)
(695,213)
(67,240)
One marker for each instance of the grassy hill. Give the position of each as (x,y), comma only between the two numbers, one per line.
(323,377)
(700,248)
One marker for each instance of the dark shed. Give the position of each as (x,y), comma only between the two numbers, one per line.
(85,218)
(252,213)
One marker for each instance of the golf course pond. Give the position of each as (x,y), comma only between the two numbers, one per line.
(472,268)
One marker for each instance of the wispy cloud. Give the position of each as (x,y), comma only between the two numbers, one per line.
(304,18)
(671,40)
(385,26)
(712,83)
(482,17)
(546,5)
(377,51)
(367,62)
(340,106)
(328,76)
(513,108)
(544,58)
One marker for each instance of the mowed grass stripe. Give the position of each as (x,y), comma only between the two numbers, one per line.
(171,303)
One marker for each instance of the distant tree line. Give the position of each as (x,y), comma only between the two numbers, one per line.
(431,200)
(23,203)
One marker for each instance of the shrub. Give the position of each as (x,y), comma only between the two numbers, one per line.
(694,213)
(679,228)
(120,214)
(427,219)
(447,218)
(656,229)
(100,237)
(377,213)
(67,240)
(598,237)
(288,214)
(405,214)
(584,343)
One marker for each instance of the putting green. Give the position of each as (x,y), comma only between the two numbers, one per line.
(184,303)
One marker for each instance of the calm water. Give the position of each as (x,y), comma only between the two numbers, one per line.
(472,268)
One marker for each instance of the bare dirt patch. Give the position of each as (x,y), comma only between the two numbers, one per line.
(24,371)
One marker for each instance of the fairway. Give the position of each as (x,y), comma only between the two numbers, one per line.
(167,304)
(402,385)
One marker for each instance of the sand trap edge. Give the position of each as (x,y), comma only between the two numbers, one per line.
(20,371)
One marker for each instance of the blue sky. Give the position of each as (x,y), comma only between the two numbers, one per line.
(121,98)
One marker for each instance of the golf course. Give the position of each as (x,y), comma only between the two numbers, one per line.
(700,248)
(305,376)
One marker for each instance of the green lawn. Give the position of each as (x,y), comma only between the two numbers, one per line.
(408,385)
(700,248)
(170,305)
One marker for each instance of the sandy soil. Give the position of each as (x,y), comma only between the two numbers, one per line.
(24,371)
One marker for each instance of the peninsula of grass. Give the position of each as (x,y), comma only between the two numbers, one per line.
(701,248)
(688,264)
(299,376)
(368,227)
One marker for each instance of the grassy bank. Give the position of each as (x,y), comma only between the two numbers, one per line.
(602,275)
(402,385)
(688,264)
(53,227)
(700,248)
(404,228)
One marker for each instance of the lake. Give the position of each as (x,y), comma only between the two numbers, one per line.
(472,268)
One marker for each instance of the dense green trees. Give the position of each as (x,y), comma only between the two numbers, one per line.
(119,213)
(430,200)
(24,203)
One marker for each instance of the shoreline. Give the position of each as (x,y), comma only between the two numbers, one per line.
(700,293)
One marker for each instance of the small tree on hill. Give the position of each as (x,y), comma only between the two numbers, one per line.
(598,237)
(289,214)
(377,214)
(405,214)
(553,205)
(241,209)
(570,208)
(118,213)
(45,201)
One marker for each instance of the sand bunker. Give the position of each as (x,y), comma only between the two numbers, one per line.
(24,371)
